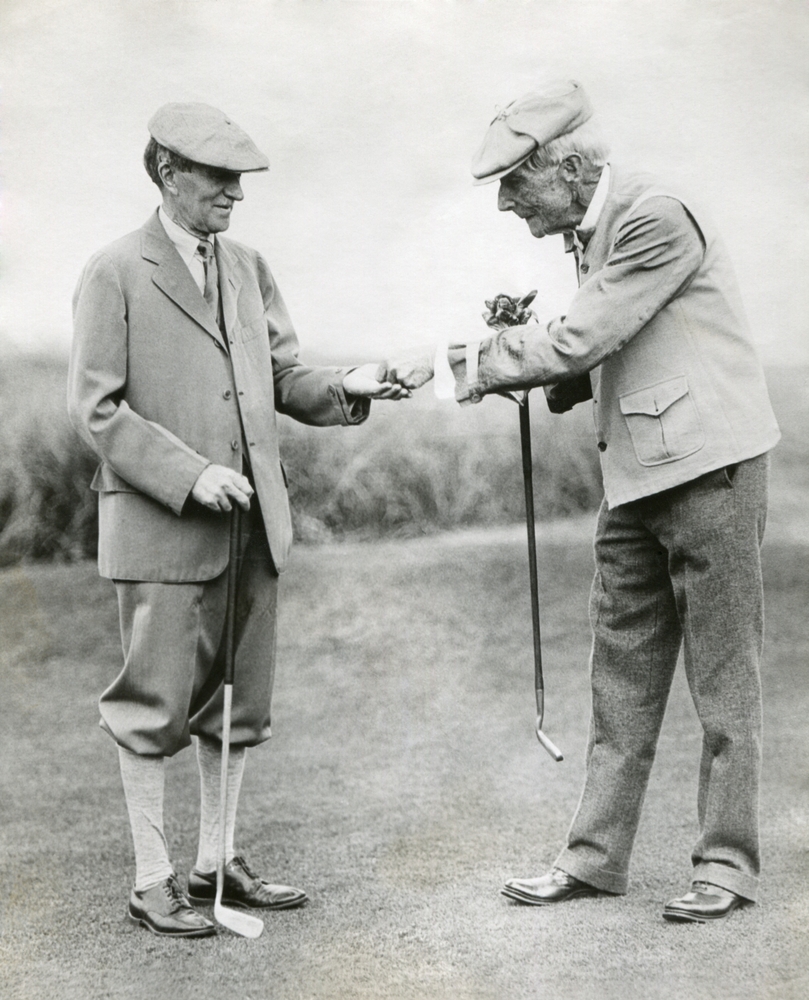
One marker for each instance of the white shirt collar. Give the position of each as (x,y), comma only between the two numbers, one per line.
(187,246)
(185,242)
(591,216)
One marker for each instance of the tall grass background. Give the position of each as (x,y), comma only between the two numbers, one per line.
(414,468)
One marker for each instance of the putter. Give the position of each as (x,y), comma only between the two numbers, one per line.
(244,924)
(528,477)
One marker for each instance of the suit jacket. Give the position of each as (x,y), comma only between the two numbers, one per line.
(159,395)
(658,323)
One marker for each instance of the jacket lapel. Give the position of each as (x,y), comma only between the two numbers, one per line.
(174,279)
(229,284)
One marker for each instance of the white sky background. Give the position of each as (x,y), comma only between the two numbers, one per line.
(370,113)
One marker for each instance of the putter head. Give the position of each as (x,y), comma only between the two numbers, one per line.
(551,747)
(243,924)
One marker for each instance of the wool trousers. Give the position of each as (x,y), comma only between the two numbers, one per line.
(677,569)
(171,685)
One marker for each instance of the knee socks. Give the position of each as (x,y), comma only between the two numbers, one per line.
(209,758)
(143,780)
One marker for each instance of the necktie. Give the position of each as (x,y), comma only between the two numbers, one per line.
(211,292)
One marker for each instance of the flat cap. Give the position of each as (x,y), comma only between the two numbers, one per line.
(206,135)
(531,121)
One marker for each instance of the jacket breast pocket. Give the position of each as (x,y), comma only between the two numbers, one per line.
(663,422)
(254,328)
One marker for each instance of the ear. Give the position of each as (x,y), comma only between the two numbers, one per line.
(166,174)
(572,168)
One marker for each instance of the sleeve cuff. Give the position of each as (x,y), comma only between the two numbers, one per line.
(463,364)
(443,379)
(354,409)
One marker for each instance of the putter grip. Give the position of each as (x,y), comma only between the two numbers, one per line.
(230,614)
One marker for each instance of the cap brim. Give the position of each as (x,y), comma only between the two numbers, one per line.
(490,178)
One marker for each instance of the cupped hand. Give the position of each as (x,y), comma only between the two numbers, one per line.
(363,381)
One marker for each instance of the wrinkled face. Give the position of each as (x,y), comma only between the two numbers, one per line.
(202,198)
(541,197)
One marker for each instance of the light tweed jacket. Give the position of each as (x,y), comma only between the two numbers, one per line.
(658,323)
(156,392)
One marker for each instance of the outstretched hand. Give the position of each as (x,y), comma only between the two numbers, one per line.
(409,370)
(366,381)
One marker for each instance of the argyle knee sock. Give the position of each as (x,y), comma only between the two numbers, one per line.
(143,780)
(209,758)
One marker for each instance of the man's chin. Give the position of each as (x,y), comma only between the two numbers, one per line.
(220,224)
(536,227)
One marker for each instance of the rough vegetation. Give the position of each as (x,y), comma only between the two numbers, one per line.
(414,468)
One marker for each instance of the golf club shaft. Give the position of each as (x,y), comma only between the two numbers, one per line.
(528,478)
(230,628)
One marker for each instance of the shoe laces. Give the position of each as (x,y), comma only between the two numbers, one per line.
(175,893)
(239,861)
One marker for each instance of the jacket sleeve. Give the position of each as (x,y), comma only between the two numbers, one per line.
(149,457)
(656,253)
(312,395)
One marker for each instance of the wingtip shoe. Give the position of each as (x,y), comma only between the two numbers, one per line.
(164,910)
(243,888)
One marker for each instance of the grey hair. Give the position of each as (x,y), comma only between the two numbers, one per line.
(586,140)
(155,154)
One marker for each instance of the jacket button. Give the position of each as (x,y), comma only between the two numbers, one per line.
(602,445)
(584,268)
(227,394)
(234,444)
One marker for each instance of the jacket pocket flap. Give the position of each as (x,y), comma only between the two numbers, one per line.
(107,481)
(655,399)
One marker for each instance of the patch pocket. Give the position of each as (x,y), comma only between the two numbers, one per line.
(663,422)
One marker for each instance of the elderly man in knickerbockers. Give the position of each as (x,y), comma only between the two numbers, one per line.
(183,351)
(656,335)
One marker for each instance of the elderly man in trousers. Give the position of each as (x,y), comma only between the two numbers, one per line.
(183,351)
(656,335)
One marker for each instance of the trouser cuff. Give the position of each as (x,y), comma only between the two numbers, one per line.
(728,878)
(600,878)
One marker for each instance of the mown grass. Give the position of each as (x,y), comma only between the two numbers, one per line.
(402,786)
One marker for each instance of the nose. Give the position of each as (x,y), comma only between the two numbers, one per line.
(504,200)
(233,189)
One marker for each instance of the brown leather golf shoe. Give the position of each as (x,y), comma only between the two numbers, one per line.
(243,888)
(555,887)
(163,909)
(704,902)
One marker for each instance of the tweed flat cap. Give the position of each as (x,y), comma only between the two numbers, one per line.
(206,135)
(532,120)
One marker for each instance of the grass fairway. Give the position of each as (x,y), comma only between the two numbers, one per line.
(402,787)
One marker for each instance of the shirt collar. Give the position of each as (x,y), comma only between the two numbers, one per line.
(185,242)
(594,209)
